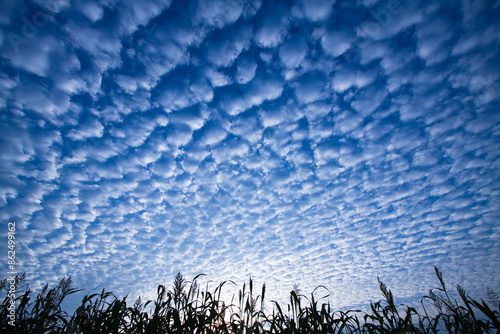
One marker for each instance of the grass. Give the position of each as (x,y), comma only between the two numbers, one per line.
(193,310)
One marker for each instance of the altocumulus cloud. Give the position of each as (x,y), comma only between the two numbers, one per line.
(308,142)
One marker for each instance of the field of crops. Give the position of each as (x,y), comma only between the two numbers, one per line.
(186,308)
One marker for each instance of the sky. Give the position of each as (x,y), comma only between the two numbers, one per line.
(308,142)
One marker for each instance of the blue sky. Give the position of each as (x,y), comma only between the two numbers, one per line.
(307,142)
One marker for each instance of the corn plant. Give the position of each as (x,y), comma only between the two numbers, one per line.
(188,309)
(45,315)
(456,317)
(389,319)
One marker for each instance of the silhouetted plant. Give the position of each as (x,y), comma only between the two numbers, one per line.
(203,311)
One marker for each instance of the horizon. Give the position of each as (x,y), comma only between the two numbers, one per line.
(294,142)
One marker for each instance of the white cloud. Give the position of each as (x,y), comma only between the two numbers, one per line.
(426,158)
(213,133)
(273,27)
(317,10)
(324,153)
(55,6)
(6,85)
(180,135)
(370,50)
(34,54)
(48,103)
(231,149)
(127,83)
(202,90)
(406,139)
(311,87)
(482,123)
(259,90)
(219,13)
(105,54)
(133,14)
(389,19)
(272,117)
(430,45)
(223,53)
(337,42)
(245,70)
(473,40)
(164,167)
(218,79)
(160,55)
(195,118)
(347,121)
(88,129)
(248,128)
(345,79)
(293,50)
(369,99)
(135,130)
(92,10)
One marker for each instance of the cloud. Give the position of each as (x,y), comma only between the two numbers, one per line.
(220,13)
(389,19)
(247,127)
(105,54)
(431,46)
(132,14)
(326,152)
(48,103)
(88,129)
(346,78)
(311,87)
(263,88)
(223,52)
(213,133)
(368,100)
(92,10)
(164,167)
(317,10)
(231,149)
(347,121)
(273,26)
(473,40)
(162,48)
(337,42)
(127,83)
(202,90)
(195,118)
(54,6)
(245,70)
(293,50)
(179,135)
(33,56)
(271,117)
(135,130)
(217,79)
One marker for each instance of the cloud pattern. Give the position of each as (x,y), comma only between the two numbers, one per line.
(309,142)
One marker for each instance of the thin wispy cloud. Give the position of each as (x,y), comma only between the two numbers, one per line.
(306,142)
